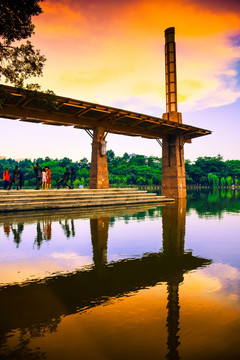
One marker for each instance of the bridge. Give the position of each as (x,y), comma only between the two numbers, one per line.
(99,120)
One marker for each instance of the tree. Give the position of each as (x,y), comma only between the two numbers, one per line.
(19,61)
(229,180)
(110,155)
(223,181)
(213,180)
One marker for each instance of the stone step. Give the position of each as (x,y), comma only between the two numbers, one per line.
(74,198)
(89,199)
(71,204)
(56,191)
(19,195)
(14,200)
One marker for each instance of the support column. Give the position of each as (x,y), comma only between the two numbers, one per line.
(99,168)
(173,166)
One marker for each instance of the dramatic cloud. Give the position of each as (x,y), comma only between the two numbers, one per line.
(220,5)
(112,52)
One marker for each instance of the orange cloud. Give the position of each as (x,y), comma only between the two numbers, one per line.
(59,20)
(111,52)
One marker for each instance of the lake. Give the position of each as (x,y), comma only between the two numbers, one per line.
(136,282)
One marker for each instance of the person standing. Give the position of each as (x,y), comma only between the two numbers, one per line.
(48,172)
(21,179)
(38,172)
(6,179)
(73,176)
(44,179)
(15,178)
(64,179)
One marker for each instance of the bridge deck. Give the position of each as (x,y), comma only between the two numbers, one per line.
(85,115)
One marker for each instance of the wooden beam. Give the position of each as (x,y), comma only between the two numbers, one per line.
(110,119)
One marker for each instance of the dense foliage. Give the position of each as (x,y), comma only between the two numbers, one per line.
(213,171)
(19,59)
(133,170)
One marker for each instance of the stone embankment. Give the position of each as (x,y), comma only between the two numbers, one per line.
(19,200)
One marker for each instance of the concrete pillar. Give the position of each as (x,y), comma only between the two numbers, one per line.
(99,168)
(173,166)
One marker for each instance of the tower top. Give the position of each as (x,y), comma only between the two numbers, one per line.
(170,34)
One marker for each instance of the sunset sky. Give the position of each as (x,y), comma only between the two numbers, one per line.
(112,53)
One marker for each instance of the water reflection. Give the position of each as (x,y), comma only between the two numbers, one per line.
(214,202)
(17,231)
(68,227)
(99,235)
(174,223)
(37,307)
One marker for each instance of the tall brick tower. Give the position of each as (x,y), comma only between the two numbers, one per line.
(173,167)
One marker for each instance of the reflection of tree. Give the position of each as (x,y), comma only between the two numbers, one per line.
(73,228)
(140,215)
(17,231)
(39,238)
(112,221)
(66,228)
(214,203)
(22,351)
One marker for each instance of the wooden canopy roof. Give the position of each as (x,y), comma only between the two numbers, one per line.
(85,115)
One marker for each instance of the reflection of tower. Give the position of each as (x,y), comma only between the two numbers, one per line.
(173,320)
(99,233)
(173,217)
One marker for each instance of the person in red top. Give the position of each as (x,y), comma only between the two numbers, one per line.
(6,179)
(48,171)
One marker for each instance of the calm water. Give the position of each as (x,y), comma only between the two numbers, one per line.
(129,283)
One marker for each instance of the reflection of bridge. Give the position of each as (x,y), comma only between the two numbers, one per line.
(104,119)
(35,304)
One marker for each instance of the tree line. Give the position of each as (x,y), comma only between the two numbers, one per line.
(131,170)
(213,171)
